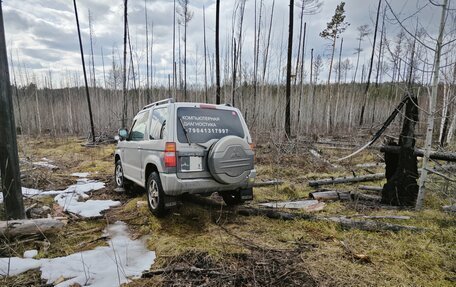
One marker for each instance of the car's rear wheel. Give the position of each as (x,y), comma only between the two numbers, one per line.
(155,195)
(120,180)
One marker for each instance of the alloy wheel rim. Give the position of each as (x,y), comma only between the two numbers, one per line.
(153,194)
(119,176)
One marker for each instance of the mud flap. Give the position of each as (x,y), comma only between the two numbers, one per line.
(171,201)
(246,194)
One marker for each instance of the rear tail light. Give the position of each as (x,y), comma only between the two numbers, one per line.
(170,154)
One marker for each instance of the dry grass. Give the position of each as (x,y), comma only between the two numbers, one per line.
(195,233)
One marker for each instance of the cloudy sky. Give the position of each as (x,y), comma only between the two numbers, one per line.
(41,34)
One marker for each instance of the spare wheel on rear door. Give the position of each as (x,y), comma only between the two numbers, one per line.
(230,160)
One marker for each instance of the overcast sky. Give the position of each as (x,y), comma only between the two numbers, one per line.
(41,34)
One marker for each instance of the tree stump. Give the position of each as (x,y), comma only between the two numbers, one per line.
(401,188)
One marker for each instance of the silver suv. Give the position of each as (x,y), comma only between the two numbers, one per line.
(186,148)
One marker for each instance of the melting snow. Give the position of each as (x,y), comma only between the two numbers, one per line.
(74,198)
(45,163)
(112,265)
(70,199)
(30,253)
(81,174)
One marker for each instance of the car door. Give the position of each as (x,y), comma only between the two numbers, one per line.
(132,163)
(157,135)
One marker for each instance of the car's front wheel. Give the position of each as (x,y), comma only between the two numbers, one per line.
(121,181)
(155,195)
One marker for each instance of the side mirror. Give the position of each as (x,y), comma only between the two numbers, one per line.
(123,134)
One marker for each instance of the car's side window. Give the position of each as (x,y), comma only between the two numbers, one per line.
(139,128)
(158,124)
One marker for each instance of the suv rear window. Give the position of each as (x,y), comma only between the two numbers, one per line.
(203,125)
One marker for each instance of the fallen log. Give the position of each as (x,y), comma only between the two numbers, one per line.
(192,269)
(251,211)
(306,205)
(348,179)
(370,188)
(347,223)
(27,227)
(370,164)
(447,156)
(370,225)
(449,208)
(267,183)
(397,217)
(365,197)
(330,195)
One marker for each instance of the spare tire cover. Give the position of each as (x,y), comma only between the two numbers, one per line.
(230,160)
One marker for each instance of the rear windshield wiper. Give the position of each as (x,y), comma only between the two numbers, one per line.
(185,130)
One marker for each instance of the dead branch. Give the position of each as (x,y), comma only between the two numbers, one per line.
(447,156)
(268,183)
(370,225)
(370,188)
(192,269)
(348,179)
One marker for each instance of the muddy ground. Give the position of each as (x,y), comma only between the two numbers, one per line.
(205,243)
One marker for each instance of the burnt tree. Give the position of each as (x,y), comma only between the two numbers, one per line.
(9,162)
(401,188)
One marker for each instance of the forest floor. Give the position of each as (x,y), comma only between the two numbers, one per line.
(212,245)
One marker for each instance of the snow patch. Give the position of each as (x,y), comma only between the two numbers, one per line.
(81,174)
(112,265)
(45,164)
(72,199)
(14,265)
(30,253)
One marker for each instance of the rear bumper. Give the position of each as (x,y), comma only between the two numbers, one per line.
(174,186)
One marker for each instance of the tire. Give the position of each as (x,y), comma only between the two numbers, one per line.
(119,178)
(155,195)
(230,160)
(232,198)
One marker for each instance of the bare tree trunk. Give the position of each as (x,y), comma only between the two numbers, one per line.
(329,98)
(85,74)
(366,91)
(266,54)
(299,44)
(288,84)
(104,72)
(217,53)
(9,159)
(147,56)
(38,110)
(205,56)
(234,72)
(336,108)
(301,82)
(446,111)
(432,109)
(174,49)
(124,83)
(312,92)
